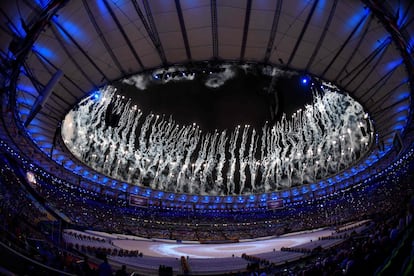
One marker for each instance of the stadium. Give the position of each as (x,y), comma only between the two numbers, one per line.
(206,137)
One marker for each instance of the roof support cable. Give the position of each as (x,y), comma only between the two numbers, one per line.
(375,66)
(355,49)
(348,39)
(183,29)
(154,32)
(214,28)
(386,96)
(150,32)
(357,70)
(371,90)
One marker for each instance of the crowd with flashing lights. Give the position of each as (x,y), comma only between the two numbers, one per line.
(355,204)
(93,210)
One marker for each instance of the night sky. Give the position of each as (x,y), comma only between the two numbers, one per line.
(242,100)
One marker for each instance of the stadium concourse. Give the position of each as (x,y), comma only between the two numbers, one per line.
(239,137)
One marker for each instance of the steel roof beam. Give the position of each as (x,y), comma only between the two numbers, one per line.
(323,35)
(183,29)
(302,33)
(273,31)
(246,28)
(98,30)
(123,33)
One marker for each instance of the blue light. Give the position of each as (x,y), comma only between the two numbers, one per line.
(403,95)
(379,42)
(39,138)
(44,51)
(401,19)
(206,199)
(410,46)
(17,27)
(401,118)
(304,80)
(62,33)
(42,3)
(321,7)
(101,6)
(95,96)
(392,65)
(398,127)
(27,89)
(74,30)
(354,20)
(27,101)
(24,111)
(402,108)
(305,190)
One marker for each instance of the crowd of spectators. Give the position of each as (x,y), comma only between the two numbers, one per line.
(380,201)
(363,253)
(23,231)
(358,203)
